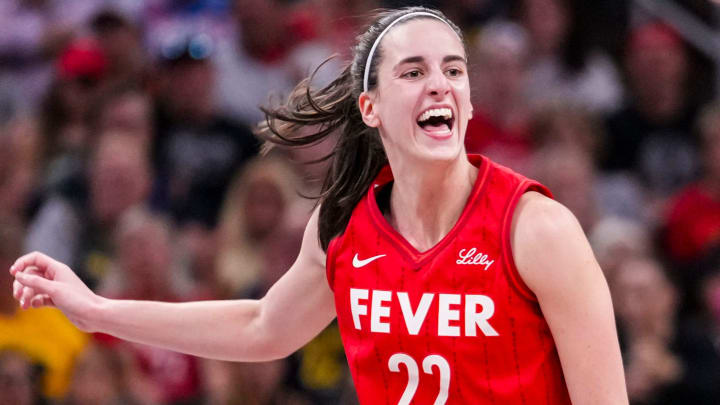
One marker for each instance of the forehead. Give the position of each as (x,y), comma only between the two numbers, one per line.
(427,37)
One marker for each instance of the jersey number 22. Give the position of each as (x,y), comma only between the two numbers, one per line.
(414,375)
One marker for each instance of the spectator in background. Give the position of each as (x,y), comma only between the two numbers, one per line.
(559,125)
(33,33)
(501,117)
(652,135)
(274,46)
(257,239)
(127,109)
(699,336)
(42,335)
(197,150)
(145,270)
(121,43)
(144,259)
(646,308)
(570,174)
(337,23)
(261,383)
(567,125)
(19,380)
(165,22)
(473,14)
(564,138)
(320,369)
(66,139)
(563,64)
(19,162)
(615,240)
(692,225)
(76,222)
(101,376)
(199,247)
(260,236)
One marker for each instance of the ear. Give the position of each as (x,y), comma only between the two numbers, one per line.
(366,103)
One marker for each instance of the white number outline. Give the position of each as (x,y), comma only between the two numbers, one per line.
(414,375)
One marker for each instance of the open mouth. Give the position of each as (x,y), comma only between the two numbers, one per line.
(436,120)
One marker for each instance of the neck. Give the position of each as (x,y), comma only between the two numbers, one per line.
(427,199)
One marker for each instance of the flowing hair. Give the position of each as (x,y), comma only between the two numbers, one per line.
(358,154)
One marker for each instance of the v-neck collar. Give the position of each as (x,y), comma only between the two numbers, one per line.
(412,254)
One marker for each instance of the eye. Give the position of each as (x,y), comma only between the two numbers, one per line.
(454,72)
(412,74)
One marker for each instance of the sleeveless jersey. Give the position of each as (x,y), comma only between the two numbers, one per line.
(452,325)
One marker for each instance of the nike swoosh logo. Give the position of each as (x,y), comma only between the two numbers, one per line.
(357,263)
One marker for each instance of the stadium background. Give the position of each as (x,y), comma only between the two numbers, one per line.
(126,151)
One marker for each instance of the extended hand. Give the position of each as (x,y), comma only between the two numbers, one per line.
(43,281)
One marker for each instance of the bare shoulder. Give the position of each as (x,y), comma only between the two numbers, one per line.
(537,215)
(549,246)
(554,258)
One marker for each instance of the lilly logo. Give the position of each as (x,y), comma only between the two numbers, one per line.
(471,256)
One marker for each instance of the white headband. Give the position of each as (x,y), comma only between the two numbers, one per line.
(382,34)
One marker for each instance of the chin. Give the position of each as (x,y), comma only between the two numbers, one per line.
(440,148)
(441,153)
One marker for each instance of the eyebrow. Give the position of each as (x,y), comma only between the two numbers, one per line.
(417,59)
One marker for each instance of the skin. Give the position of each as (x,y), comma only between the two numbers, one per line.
(556,261)
(550,249)
(438,76)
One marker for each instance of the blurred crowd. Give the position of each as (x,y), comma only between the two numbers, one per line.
(126,151)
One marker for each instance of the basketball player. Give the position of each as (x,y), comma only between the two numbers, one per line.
(454,280)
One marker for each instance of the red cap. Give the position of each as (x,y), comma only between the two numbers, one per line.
(82,58)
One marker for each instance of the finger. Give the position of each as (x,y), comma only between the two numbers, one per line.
(36,271)
(40,300)
(14,269)
(36,301)
(17,289)
(47,301)
(27,295)
(31,259)
(39,284)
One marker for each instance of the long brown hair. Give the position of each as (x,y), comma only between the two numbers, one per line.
(358,155)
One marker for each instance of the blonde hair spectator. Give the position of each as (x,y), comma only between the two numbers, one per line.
(257,210)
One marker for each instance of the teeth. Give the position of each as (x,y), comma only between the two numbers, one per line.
(446,113)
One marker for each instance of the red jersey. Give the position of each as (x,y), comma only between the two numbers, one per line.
(452,325)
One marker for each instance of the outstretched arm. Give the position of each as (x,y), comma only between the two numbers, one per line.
(556,262)
(294,310)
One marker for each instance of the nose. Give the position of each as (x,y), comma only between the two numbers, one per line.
(437,83)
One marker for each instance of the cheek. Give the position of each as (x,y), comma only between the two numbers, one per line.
(462,99)
(397,114)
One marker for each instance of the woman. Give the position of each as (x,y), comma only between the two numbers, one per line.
(496,296)
(257,241)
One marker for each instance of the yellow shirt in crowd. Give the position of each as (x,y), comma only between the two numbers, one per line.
(48,338)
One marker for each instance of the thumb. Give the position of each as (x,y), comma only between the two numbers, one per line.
(41,285)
